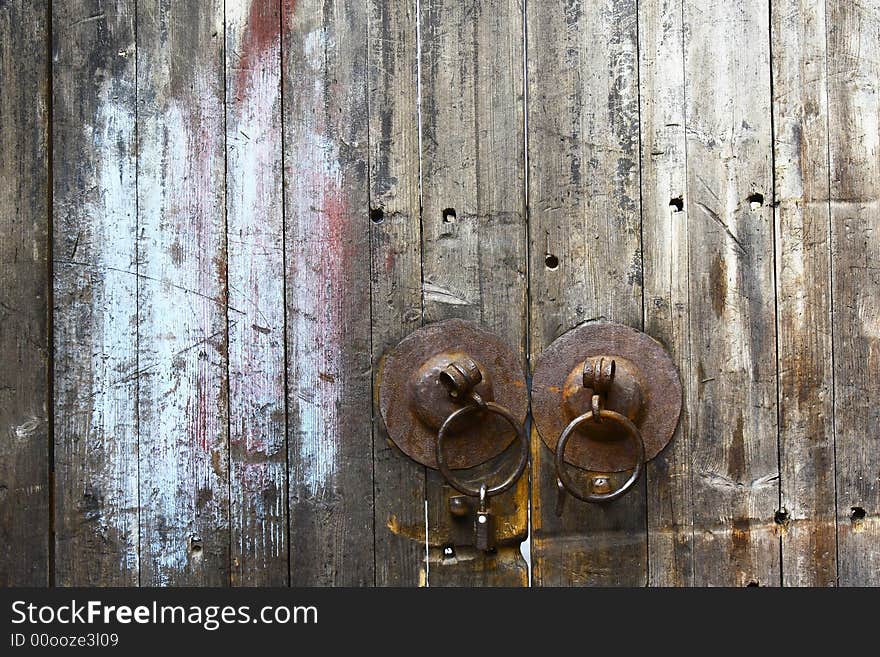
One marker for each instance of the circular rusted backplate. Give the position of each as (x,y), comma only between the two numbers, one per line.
(414,403)
(646,389)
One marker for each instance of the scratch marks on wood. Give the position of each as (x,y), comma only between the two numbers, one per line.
(714,216)
(436,294)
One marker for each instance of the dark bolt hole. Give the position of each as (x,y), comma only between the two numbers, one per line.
(755,200)
(781,516)
(448,552)
(449,216)
(753,583)
(551,262)
(677,203)
(857,513)
(377,215)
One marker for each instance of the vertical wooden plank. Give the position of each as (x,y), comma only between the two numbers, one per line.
(474,241)
(665,240)
(806,519)
(182,295)
(255,238)
(732,321)
(395,249)
(853,109)
(95,287)
(328,287)
(24,294)
(586,262)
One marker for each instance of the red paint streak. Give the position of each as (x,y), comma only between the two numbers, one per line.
(261,39)
(389,261)
(287,9)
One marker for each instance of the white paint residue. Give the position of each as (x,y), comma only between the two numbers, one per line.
(111,213)
(181,214)
(317,329)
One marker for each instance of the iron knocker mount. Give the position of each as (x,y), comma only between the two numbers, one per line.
(605,398)
(453,397)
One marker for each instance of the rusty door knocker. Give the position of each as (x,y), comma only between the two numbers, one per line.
(606,399)
(453,396)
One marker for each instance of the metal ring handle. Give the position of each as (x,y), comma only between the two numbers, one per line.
(562,471)
(461,486)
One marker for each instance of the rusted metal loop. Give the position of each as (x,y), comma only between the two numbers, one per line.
(562,470)
(474,491)
(596,407)
(599,374)
(460,377)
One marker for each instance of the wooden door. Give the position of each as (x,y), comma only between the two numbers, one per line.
(217,217)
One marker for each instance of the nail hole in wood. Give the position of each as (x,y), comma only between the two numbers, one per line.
(551,262)
(677,204)
(449,216)
(755,200)
(857,513)
(781,517)
(377,215)
(195,545)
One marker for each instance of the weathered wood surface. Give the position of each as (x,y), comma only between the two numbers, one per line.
(255,251)
(243,205)
(665,215)
(474,235)
(182,295)
(733,437)
(396,271)
(806,518)
(95,288)
(853,30)
(25,487)
(328,292)
(585,248)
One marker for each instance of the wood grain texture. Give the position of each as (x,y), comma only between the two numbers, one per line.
(395,254)
(665,215)
(806,520)
(854,139)
(735,468)
(586,261)
(24,294)
(328,292)
(255,238)
(95,288)
(474,234)
(182,295)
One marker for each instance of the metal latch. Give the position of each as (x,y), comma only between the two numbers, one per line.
(453,396)
(606,399)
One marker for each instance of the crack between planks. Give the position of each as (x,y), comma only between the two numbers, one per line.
(370,241)
(776,255)
(50,296)
(831,298)
(642,263)
(137,283)
(285,328)
(226,308)
(528,257)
